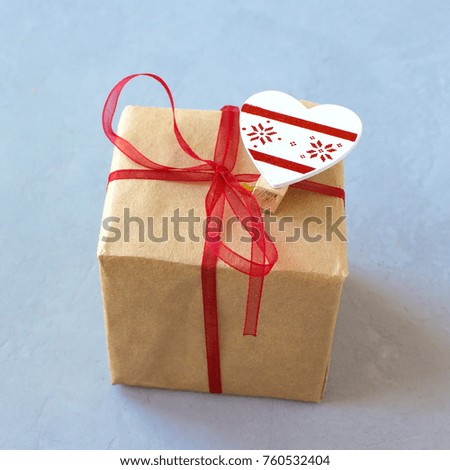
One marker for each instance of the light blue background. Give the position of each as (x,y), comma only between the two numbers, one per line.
(389,383)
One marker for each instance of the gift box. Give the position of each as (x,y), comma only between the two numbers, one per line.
(151,256)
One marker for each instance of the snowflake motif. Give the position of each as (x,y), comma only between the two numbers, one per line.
(320,150)
(261,133)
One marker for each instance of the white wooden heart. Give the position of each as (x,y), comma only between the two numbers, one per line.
(289,142)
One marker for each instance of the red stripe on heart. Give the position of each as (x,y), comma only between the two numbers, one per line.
(280,162)
(312,126)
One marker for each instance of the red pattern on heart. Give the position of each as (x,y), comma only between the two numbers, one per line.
(320,150)
(278,141)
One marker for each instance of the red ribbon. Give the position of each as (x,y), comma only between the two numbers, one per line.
(225,189)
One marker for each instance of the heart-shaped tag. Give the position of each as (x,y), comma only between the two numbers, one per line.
(289,142)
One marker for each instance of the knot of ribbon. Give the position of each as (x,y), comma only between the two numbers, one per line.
(225,190)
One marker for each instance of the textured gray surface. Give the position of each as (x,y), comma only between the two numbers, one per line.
(389,61)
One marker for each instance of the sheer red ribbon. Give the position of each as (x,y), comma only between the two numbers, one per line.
(225,189)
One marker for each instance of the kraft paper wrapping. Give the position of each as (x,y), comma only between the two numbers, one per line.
(152,291)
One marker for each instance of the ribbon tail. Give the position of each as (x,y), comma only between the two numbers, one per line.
(211,319)
(255,284)
(214,206)
(255,288)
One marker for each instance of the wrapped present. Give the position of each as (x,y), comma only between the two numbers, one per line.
(200,291)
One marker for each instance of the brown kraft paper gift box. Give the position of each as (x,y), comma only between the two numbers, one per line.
(152,290)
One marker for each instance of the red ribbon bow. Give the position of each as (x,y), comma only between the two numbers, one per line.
(225,188)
